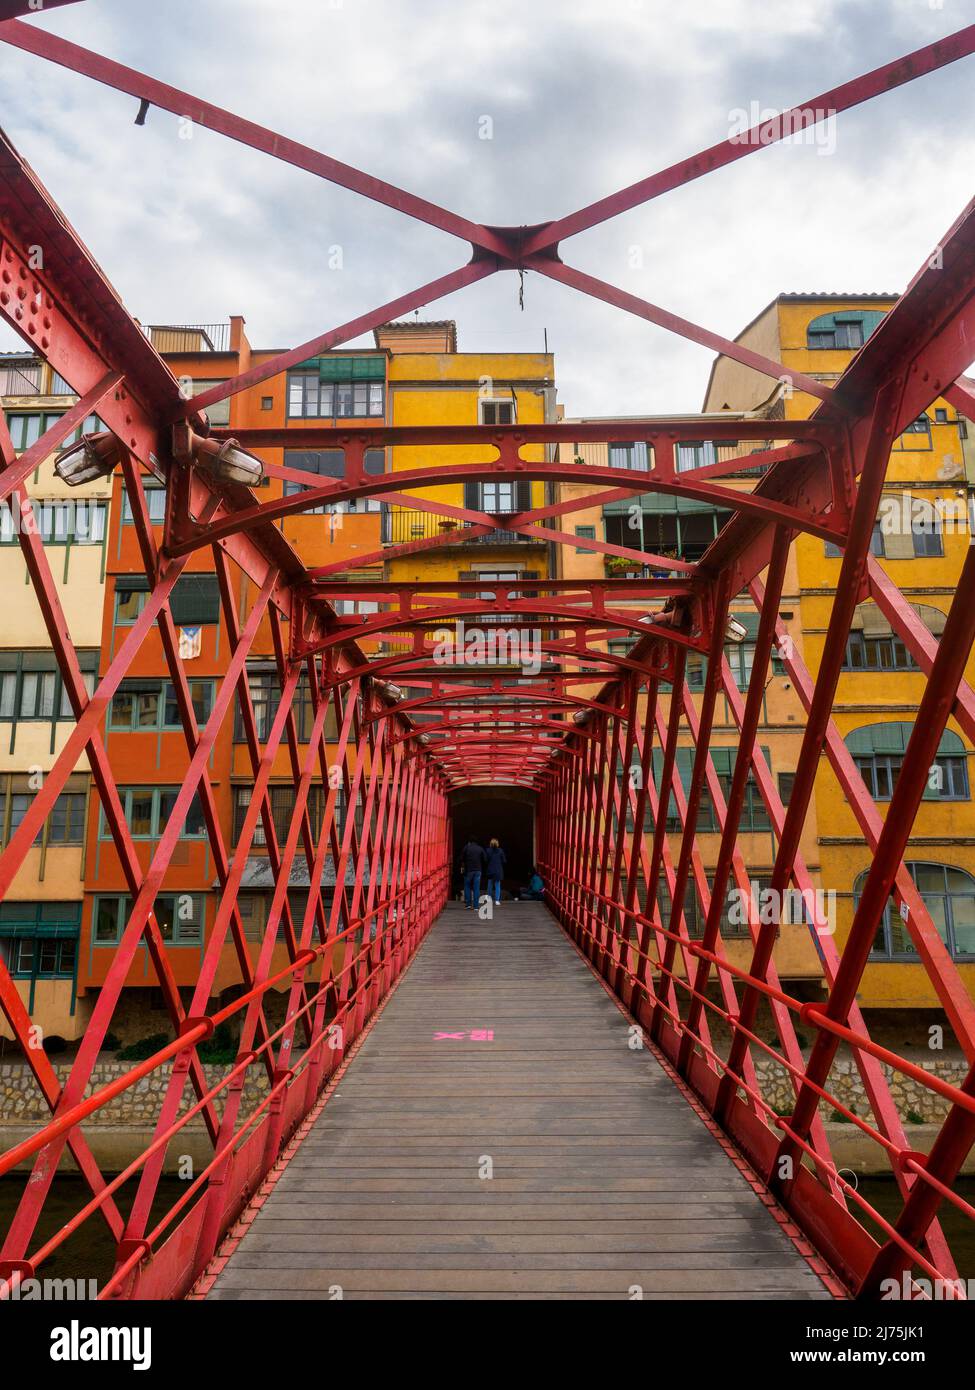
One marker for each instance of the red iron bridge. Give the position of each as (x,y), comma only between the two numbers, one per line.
(536,1105)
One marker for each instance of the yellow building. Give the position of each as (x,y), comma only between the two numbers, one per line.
(40,917)
(681,528)
(920,541)
(431,383)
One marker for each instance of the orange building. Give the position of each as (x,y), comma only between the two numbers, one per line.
(143,733)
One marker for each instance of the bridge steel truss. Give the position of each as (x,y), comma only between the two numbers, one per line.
(570,729)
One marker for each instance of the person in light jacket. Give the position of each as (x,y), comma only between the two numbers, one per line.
(496,860)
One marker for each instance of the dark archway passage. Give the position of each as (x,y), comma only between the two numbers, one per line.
(504,813)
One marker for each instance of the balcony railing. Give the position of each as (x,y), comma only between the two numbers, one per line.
(188,337)
(400,525)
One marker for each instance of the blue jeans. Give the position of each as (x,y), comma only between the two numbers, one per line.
(472,887)
(494,889)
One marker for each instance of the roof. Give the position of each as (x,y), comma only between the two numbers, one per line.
(836,294)
(419,325)
(257,874)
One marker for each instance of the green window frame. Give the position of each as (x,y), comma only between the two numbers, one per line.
(148,811)
(141,706)
(948,893)
(32,688)
(39,941)
(585,533)
(27,426)
(181,918)
(878,751)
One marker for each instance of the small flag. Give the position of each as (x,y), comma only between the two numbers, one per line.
(190,642)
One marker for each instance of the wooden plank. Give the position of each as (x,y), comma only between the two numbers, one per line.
(543,1157)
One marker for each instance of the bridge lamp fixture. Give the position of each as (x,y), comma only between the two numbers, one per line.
(224,458)
(736,631)
(93,456)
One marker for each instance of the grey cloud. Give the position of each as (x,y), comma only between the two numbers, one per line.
(585,97)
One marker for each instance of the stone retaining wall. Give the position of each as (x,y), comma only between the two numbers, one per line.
(21,1102)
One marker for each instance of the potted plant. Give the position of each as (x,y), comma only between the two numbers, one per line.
(619,567)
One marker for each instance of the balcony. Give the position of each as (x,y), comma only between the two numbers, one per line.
(20,378)
(400,525)
(188,337)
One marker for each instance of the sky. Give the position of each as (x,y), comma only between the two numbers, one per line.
(579,97)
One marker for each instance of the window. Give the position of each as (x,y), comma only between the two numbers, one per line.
(155,495)
(255,907)
(23,379)
(585,533)
(148,811)
(695,917)
(131,593)
(193,601)
(338,388)
(878,751)
(754,815)
(265,693)
(180,917)
(218,413)
(31,686)
(65,823)
(740,656)
(151,704)
(845,330)
(634,457)
(948,894)
(664,525)
(27,428)
(701,453)
(498,496)
(787,781)
(926,533)
(881,653)
(330,463)
(834,552)
(59,521)
(39,940)
(282,798)
(497,412)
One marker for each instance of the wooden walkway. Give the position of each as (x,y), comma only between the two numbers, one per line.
(603,1181)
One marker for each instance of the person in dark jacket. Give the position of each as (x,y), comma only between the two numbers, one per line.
(472,861)
(495,862)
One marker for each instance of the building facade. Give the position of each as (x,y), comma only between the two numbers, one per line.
(61,925)
(920,540)
(41,915)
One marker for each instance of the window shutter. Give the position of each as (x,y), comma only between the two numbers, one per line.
(873,622)
(472,497)
(523,495)
(898,546)
(932,618)
(195,599)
